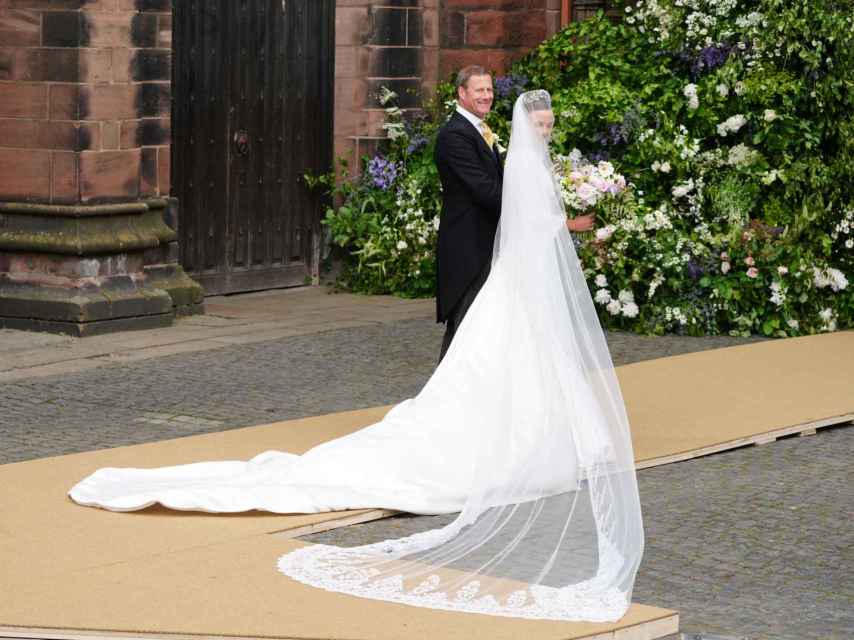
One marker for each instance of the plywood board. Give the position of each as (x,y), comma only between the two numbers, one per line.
(699,403)
(233,589)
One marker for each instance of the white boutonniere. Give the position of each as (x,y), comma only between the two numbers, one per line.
(501,147)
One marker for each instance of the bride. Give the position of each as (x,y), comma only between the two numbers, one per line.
(521,429)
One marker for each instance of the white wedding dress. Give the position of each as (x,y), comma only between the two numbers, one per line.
(521,429)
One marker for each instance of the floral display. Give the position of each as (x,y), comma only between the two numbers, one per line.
(714,140)
(583,184)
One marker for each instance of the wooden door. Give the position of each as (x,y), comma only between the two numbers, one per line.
(252,112)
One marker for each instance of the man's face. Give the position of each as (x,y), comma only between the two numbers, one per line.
(476,96)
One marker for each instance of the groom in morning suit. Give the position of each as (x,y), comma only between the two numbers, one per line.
(471,171)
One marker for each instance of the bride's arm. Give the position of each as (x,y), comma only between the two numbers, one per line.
(581,223)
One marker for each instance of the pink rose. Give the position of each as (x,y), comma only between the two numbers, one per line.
(724,255)
(588,193)
(749,261)
(752,272)
(599,184)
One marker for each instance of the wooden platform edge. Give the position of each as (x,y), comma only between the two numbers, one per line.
(804,429)
(329,525)
(649,630)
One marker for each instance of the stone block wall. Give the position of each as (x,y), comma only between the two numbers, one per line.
(85,242)
(84,100)
(392,43)
(493,33)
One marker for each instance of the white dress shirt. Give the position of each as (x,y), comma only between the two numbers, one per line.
(468,115)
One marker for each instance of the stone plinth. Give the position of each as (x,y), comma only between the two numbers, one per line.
(84,270)
(86,244)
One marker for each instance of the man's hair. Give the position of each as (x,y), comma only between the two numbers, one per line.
(466,73)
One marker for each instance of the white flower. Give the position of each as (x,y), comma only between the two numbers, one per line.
(829,277)
(793,324)
(602,296)
(741,155)
(849,244)
(665,167)
(386,95)
(731,124)
(782,270)
(770,115)
(725,267)
(690,92)
(723,90)
(401,245)
(770,176)
(614,307)
(604,233)
(829,319)
(682,190)
(606,169)
(601,280)
(740,88)
(778,296)
(626,296)
(630,310)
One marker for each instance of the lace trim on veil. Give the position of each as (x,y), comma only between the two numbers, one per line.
(325,567)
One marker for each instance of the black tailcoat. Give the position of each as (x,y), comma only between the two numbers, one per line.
(471,175)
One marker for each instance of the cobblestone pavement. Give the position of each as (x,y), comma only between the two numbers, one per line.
(754,542)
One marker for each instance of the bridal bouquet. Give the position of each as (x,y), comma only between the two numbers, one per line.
(583,184)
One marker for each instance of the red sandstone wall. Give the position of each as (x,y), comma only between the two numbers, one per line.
(84,93)
(393,43)
(84,100)
(493,33)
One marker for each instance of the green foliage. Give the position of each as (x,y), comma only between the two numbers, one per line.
(733,122)
(386,221)
(736,136)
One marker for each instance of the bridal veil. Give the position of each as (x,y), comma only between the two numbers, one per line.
(551,523)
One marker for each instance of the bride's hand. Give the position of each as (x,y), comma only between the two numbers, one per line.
(581,223)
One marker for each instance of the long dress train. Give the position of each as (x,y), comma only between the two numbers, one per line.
(521,429)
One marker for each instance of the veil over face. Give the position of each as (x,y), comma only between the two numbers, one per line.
(551,524)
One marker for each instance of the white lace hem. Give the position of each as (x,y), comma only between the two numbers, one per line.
(321,566)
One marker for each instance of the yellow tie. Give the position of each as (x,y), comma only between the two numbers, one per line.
(487,134)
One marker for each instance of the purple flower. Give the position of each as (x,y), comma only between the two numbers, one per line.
(415,143)
(505,85)
(614,134)
(709,58)
(695,270)
(383,172)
